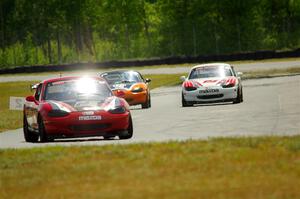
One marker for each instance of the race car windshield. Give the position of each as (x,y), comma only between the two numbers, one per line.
(79,89)
(122,77)
(208,72)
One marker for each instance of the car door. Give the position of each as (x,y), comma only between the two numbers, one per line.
(31,109)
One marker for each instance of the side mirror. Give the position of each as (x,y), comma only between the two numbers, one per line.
(30,99)
(183,78)
(33,87)
(148,80)
(239,73)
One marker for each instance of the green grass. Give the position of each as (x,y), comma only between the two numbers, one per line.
(164,80)
(265,167)
(271,73)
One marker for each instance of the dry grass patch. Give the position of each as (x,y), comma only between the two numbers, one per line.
(218,168)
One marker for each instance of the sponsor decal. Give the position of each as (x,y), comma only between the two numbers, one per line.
(210,81)
(212,90)
(90,117)
(88,113)
(120,86)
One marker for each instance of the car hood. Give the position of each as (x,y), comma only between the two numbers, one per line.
(82,105)
(207,82)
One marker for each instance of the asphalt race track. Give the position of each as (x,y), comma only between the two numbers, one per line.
(271,107)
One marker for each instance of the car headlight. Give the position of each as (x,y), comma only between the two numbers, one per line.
(117,110)
(137,89)
(189,86)
(58,113)
(228,85)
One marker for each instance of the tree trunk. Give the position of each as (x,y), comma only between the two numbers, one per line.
(36,54)
(216,39)
(194,40)
(14,55)
(2,28)
(94,50)
(59,53)
(49,50)
(78,39)
(88,38)
(127,40)
(238,29)
(146,26)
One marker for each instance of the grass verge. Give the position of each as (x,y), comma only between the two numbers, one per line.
(271,73)
(262,167)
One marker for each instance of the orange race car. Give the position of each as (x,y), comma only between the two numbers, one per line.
(129,85)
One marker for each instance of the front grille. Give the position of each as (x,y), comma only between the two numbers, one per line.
(210,96)
(89,127)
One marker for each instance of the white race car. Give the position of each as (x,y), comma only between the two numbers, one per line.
(217,82)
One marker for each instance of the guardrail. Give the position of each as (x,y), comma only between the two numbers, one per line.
(259,55)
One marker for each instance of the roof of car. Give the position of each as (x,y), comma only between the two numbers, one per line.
(119,71)
(70,78)
(210,65)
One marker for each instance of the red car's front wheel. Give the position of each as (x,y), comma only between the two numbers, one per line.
(29,135)
(127,134)
(42,131)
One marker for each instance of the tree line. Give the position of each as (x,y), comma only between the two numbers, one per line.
(55,31)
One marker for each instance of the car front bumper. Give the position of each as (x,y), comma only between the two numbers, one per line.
(210,94)
(72,126)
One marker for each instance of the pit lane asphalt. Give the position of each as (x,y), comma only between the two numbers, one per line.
(271,107)
(242,67)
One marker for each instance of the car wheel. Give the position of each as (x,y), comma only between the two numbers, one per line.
(238,98)
(29,135)
(127,134)
(42,131)
(185,103)
(148,103)
(242,96)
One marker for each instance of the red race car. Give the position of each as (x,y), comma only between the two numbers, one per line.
(75,107)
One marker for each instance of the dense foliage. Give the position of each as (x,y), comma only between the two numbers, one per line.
(56,31)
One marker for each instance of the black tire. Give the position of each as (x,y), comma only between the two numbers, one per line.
(239,97)
(127,134)
(29,135)
(148,103)
(42,131)
(242,96)
(185,103)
